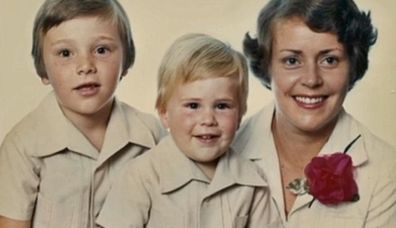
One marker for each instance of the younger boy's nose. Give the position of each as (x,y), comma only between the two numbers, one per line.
(86,65)
(208,118)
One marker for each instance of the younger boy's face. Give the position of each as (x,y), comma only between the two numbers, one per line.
(202,117)
(83,59)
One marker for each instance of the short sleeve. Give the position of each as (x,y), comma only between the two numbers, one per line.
(19,180)
(128,202)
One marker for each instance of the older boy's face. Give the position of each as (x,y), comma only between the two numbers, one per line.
(202,117)
(83,59)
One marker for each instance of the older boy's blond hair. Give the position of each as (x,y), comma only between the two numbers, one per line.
(195,57)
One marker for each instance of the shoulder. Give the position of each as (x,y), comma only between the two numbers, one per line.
(143,168)
(47,115)
(247,128)
(376,176)
(251,122)
(255,131)
(257,123)
(149,121)
(382,156)
(147,118)
(379,166)
(245,171)
(30,128)
(376,148)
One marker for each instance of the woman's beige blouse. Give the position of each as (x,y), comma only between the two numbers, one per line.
(375,163)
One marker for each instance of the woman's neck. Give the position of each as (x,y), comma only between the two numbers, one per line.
(295,149)
(296,145)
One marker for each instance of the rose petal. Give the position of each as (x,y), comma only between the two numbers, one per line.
(330,178)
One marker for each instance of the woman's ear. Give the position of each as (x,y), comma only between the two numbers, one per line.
(45,81)
(123,74)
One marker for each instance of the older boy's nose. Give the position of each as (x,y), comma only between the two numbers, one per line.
(86,65)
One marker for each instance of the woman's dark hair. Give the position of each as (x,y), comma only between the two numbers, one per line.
(342,17)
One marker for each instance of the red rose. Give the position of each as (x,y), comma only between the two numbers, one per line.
(330,179)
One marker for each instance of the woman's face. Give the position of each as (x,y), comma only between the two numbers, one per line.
(310,75)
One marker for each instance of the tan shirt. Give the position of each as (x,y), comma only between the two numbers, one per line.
(375,175)
(164,189)
(52,175)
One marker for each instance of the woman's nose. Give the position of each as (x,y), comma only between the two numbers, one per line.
(312,77)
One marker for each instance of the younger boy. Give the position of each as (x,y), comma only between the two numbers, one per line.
(58,163)
(192,178)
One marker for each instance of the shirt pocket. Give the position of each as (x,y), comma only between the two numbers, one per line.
(50,214)
(343,215)
(165,219)
(276,224)
(333,221)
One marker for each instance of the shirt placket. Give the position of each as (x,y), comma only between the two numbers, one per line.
(98,191)
(210,213)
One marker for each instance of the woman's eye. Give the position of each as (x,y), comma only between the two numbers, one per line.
(291,61)
(64,53)
(331,60)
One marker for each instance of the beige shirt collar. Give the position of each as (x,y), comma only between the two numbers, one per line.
(344,132)
(64,135)
(177,170)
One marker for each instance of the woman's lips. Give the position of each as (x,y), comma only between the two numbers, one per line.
(310,102)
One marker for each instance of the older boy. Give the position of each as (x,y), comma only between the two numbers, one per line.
(58,163)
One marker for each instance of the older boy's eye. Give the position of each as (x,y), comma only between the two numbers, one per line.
(102,50)
(64,53)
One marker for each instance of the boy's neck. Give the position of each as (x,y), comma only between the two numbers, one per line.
(208,168)
(92,126)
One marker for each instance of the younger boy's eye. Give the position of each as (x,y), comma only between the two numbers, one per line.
(223,106)
(192,105)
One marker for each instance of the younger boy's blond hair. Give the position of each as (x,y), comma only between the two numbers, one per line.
(195,57)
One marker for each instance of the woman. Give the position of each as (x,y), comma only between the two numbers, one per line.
(310,53)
